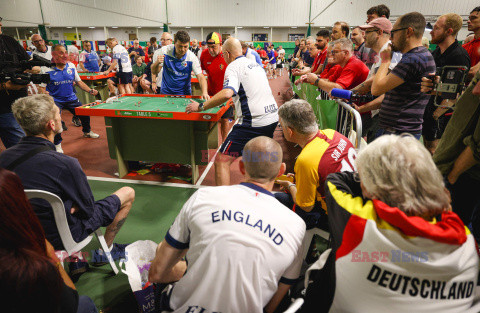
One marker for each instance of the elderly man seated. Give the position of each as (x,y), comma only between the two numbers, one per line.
(396,244)
(353,72)
(39,166)
(243,246)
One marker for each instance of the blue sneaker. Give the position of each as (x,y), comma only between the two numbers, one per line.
(76,269)
(118,252)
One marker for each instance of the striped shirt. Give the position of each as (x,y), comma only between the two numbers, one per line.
(403,107)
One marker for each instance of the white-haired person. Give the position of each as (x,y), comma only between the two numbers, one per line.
(396,244)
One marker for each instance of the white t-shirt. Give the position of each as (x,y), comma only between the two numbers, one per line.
(254,101)
(281,51)
(396,57)
(242,242)
(156,54)
(123,60)
(47,54)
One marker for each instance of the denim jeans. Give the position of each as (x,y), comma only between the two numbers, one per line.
(383,131)
(86,305)
(10,131)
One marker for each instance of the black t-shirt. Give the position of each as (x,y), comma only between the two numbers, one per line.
(9,46)
(455,54)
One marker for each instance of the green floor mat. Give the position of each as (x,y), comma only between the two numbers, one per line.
(154,210)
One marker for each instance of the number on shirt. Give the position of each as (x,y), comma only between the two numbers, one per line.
(349,165)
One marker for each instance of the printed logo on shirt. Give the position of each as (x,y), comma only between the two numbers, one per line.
(221,66)
(184,63)
(69,71)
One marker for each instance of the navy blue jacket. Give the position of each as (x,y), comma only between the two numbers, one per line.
(59,174)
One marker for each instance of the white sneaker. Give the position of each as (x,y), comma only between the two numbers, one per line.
(91,135)
(59,148)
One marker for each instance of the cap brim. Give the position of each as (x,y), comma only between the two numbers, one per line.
(366,26)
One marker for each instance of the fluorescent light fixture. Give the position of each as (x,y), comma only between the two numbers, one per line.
(139,27)
(239,26)
(114,26)
(69,27)
(188,27)
(91,26)
(293,27)
(266,27)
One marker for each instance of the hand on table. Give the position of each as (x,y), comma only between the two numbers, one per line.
(205,96)
(192,106)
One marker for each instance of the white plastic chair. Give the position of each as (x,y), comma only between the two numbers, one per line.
(295,306)
(70,245)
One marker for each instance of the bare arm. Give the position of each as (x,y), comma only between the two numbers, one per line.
(112,66)
(372,105)
(167,266)
(203,85)
(277,297)
(464,161)
(384,82)
(82,67)
(84,87)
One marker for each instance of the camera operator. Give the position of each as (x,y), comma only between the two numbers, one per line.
(10,131)
(448,53)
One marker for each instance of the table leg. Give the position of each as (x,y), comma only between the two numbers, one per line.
(122,165)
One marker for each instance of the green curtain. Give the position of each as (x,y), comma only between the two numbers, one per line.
(165,28)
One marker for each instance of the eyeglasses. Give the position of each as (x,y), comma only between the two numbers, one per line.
(336,51)
(371,31)
(165,39)
(396,30)
(210,43)
(37,41)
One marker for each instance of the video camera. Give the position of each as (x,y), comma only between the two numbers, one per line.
(13,70)
(452,81)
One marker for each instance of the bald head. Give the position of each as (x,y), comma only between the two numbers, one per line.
(233,46)
(38,42)
(262,157)
(166,39)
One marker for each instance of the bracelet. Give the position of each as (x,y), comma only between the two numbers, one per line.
(292,184)
(316,82)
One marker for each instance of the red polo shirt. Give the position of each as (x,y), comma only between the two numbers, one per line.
(473,48)
(319,59)
(353,73)
(215,68)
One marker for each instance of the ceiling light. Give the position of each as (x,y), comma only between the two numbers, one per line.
(293,27)
(239,26)
(139,27)
(91,26)
(187,27)
(266,27)
(114,26)
(69,27)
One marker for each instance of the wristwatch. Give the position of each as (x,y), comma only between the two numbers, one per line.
(200,107)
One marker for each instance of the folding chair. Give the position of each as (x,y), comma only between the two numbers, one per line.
(70,245)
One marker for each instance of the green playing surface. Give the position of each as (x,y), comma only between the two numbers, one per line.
(166,104)
(89,74)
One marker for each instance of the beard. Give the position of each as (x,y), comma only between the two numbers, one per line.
(370,43)
(438,39)
(400,43)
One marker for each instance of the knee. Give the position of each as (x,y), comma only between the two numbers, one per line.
(126,195)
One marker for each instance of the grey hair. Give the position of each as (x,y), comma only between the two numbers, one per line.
(400,172)
(311,39)
(298,114)
(262,157)
(345,44)
(34,112)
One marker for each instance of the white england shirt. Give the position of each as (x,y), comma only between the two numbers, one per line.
(47,54)
(123,60)
(253,98)
(242,242)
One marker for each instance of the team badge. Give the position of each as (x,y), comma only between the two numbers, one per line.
(221,66)
(184,63)
(69,71)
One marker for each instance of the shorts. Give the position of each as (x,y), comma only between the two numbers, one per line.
(240,135)
(229,113)
(124,78)
(114,80)
(433,129)
(104,212)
